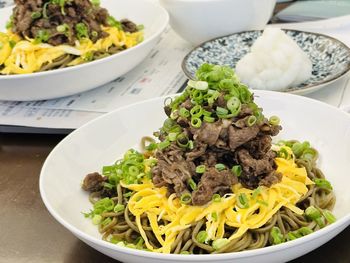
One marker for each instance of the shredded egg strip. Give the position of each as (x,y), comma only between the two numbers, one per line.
(25,56)
(263,204)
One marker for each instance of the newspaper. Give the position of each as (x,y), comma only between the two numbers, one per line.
(159,74)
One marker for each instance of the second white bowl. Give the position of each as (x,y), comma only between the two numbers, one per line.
(200,20)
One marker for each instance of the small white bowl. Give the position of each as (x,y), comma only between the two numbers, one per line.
(71,80)
(106,139)
(200,20)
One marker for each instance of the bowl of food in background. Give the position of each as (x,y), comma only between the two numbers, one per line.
(200,20)
(54,49)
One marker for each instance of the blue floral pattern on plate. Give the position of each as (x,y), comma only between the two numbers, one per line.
(330,57)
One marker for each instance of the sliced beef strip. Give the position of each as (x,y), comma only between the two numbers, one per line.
(93,182)
(254,166)
(213,182)
(208,132)
(128,26)
(238,136)
(271,178)
(198,151)
(259,146)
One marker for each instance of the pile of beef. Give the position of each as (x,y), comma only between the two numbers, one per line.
(226,141)
(52,15)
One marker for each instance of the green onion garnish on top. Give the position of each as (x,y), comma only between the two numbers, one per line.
(200,169)
(276,236)
(186,198)
(219,243)
(323,183)
(274,120)
(242,201)
(220,167)
(202,236)
(236,170)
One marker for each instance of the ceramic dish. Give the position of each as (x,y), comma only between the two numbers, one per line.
(330,57)
(105,139)
(68,81)
(200,20)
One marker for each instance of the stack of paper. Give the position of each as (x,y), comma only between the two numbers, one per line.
(314,10)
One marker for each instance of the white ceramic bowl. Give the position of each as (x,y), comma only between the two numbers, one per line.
(105,139)
(68,81)
(201,20)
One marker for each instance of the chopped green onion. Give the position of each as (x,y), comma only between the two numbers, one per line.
(220,167)
(256,192)
(186,198)
(298,148)
(196,111)
(9,24)
(95,2)
(200,169)
(183,112)
(190,145)
(35,15)
(182,140)
(208,119)
(216,198)
(199,85)
(219,243)
(140,27)
(119,208)
(221,111)
(291,236)
(192,184)
(82,30)
(312,213)
(305,231)
(262,202)
(329,216)
(163,145)
(214,215)
(113,22)
(94,34)
(96,220)
(251,121)
(196,122)
(45,9)
(62,28)
(309,154)
(206,113)
(108,185)
(12,43)
(151,147)
(234,105)
(276,235)
(237,170)
(202,236)
(185,252)
(242,201)
(323,183)
(283,153)
(42,36)
(172,136)
(274,120)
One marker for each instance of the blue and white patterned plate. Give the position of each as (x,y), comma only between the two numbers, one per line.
(330,57)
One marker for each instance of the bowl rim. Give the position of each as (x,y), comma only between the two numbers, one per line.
(162,13)
(343,221)
(295,90)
